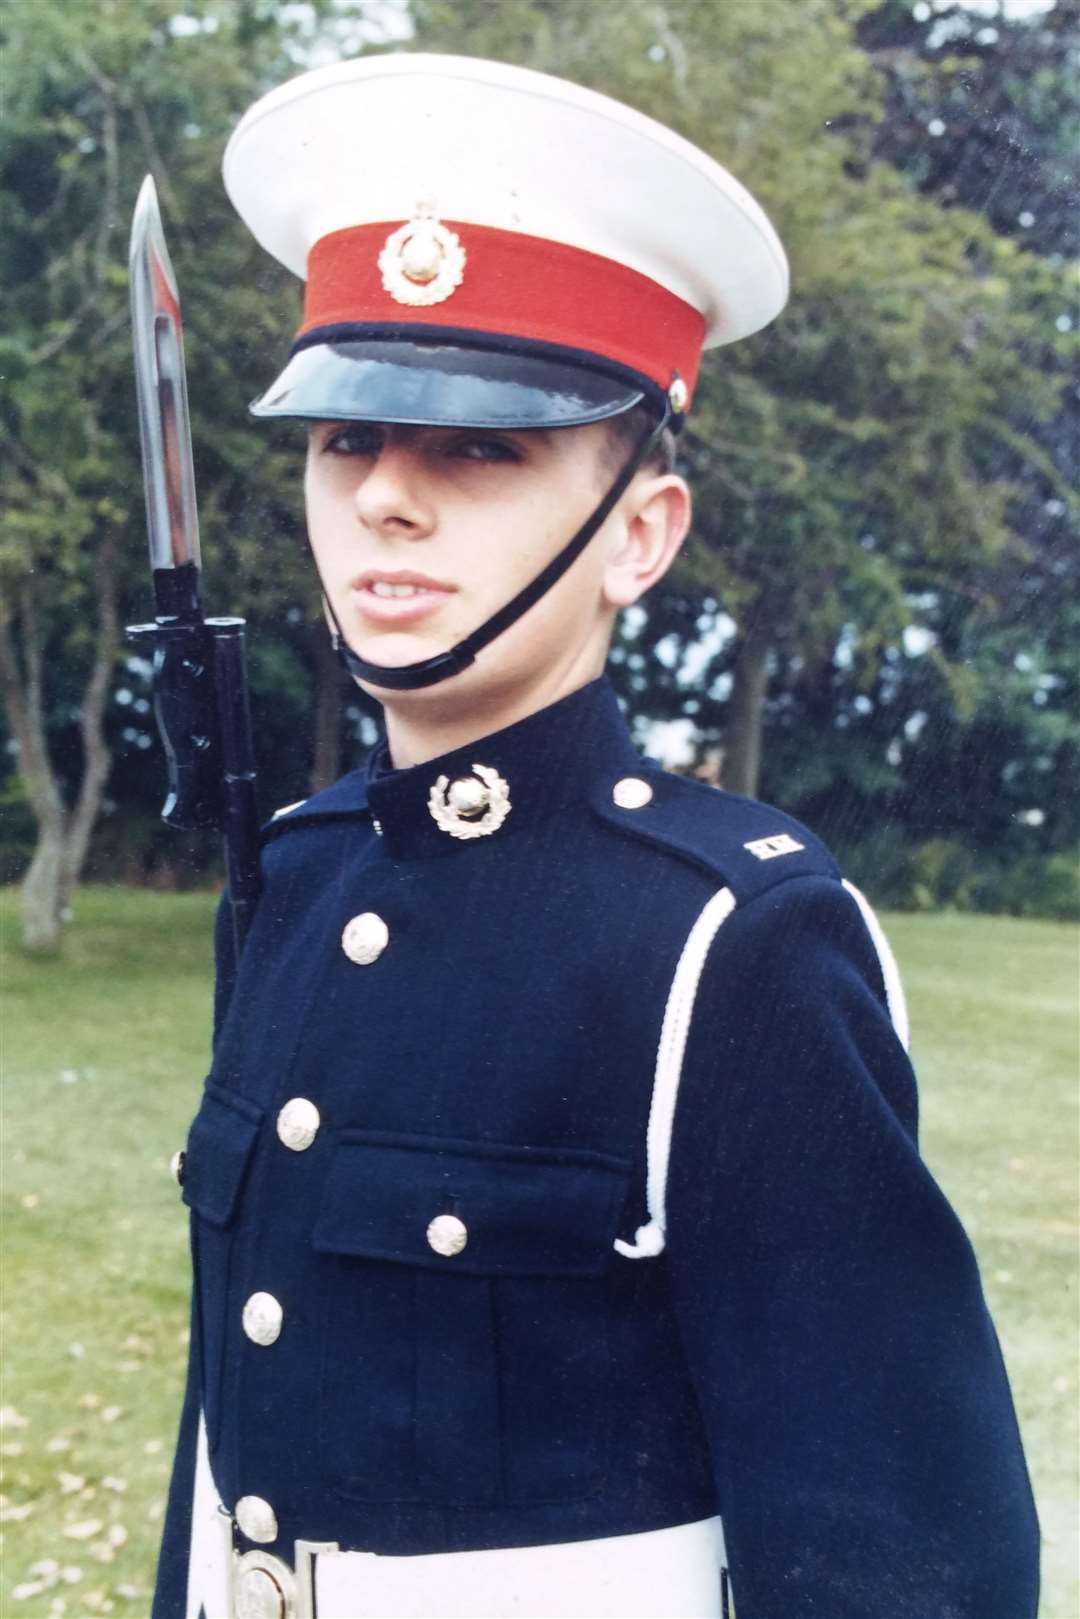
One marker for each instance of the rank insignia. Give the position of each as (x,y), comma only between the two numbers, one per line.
(769,848)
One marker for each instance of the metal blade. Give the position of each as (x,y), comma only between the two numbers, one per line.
(161,386)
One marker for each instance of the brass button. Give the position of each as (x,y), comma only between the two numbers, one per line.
(259,1596)
(298,1124)
(262,1318)
(679,395)
(632,793)
(447,1235)
(176,1164)
(365,938)
(256,1519)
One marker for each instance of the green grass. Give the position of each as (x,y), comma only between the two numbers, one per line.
(103,1054)
(996,1044)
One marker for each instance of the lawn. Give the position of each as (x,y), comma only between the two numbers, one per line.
(103,1054)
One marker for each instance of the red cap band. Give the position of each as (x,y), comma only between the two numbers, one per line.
(521,286)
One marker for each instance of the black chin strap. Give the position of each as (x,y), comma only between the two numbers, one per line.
(429,671)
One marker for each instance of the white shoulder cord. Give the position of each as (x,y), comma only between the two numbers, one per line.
(890,972)
(649,1239)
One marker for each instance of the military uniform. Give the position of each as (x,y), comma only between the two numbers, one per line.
(426,1317)
(561,1239)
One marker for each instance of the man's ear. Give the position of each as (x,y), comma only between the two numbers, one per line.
(655,518)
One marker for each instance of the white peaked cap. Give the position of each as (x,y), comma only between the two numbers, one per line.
(565,212)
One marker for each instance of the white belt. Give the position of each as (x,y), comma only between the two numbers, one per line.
(659,1574)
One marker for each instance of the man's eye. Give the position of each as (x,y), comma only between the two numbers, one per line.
(485,448)
(357,438)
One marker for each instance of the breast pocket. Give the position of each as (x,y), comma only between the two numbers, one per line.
(218,1150)
(465,1347)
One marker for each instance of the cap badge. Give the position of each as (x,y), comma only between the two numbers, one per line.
(422,262)
(471,807)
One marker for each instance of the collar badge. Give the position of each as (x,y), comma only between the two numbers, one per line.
(422,262)
(471,807)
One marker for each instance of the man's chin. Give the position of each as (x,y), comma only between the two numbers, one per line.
(396,649)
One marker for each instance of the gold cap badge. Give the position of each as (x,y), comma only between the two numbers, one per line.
(422,262)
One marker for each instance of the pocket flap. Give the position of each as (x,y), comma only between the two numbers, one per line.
(527,1211)
(219,1146)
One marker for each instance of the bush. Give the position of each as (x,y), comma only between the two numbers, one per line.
(1038,886)
(881,864)
(945,874)
(17,830)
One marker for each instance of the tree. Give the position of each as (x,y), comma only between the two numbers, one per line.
(892,453)
(982,113)
(840,457)
(94,100)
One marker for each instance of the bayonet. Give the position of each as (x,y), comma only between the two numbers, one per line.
(200,685)
(172,520)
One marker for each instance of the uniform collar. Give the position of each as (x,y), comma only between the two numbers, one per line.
(542,764)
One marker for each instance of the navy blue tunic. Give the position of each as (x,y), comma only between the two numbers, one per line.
(810,1355)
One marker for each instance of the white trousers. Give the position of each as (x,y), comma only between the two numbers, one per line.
(661,1574)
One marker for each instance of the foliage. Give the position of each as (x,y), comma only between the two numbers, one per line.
(873,461)
(95,100)
(948,874)
(999,98)
(983,114)
(955,498)
(16,829)
(90,109)
(891,456)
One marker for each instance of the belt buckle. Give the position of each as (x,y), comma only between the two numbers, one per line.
(262,1586)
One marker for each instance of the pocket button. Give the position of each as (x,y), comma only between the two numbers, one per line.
(447,1235)
(298,1124)
(365,938)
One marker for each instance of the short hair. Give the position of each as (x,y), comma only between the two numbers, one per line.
(625,432)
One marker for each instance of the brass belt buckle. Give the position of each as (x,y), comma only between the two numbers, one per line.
(262,1586)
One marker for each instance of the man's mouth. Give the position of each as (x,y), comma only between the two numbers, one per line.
(392,597)
(383,587)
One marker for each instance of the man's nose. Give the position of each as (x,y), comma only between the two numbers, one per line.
(392,499)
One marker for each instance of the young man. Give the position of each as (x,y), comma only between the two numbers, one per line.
(561,1240)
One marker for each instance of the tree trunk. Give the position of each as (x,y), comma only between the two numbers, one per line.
(62,836)
(97,760)
(23,693)
(42,896)
(326,760)
(750,686)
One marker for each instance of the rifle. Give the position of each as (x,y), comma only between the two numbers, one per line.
(199,674)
